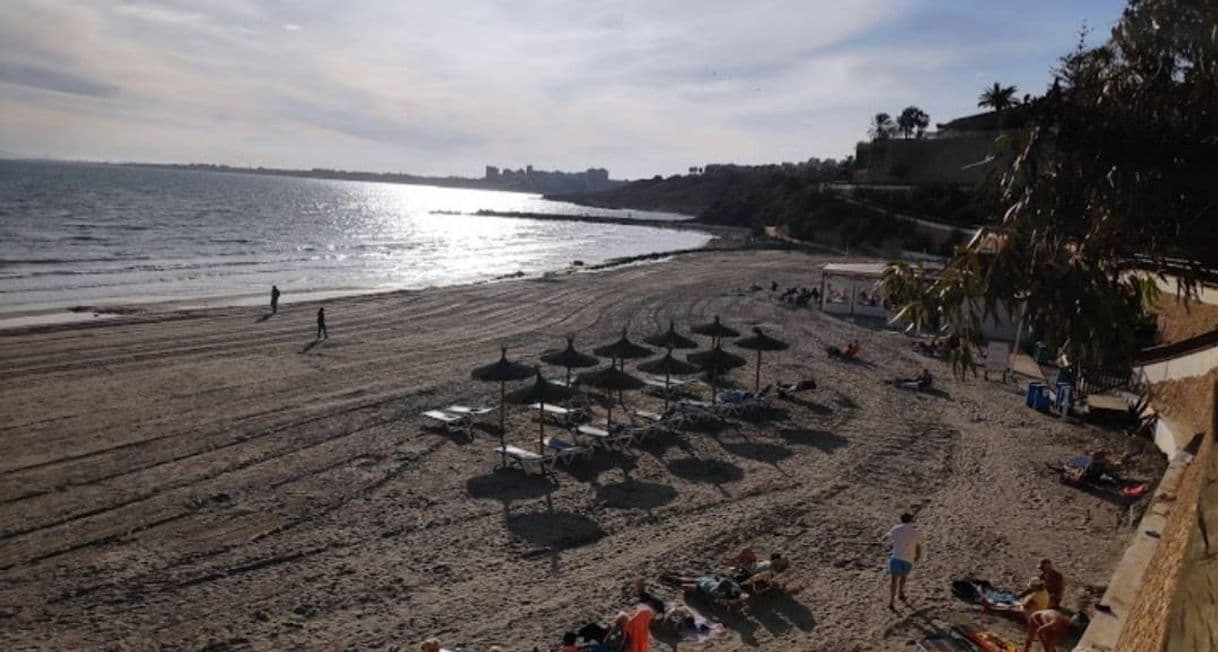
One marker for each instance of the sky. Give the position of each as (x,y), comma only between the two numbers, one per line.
(640,87)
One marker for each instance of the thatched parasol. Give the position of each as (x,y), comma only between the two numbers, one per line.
(670,339)
(759,342)
(540,392)
(715,330)
(716,362)
(500,372)
(569,358)
(613,379)
(622,349)
(669,366)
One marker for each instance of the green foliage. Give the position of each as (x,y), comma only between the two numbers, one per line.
(997,97)
(912,121)
(882,127)
(1118,166)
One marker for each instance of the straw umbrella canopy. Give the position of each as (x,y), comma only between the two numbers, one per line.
(759,342)
(500,372)
(569,358)
(670,340)
(540,392)
(622,349)
(669,366)
(715,330)
(715,362)
(613,379)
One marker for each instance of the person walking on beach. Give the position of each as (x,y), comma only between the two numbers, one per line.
(274,299)
(906,549)
(321,325)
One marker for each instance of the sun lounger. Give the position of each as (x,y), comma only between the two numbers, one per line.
(645,415)
(624,435)
(449,421)
(472,412)
(527,461)
(559,415)
(565,451)
(593,435)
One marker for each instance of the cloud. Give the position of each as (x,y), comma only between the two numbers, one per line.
(638,86)
(60,81)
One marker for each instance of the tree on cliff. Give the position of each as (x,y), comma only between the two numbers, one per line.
(912,121)
(1117,165)
(882,127)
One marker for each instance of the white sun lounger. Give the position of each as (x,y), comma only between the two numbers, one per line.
(473,412)
(528,461)
(592,434)
(560,415)
(451,422)
(565,451)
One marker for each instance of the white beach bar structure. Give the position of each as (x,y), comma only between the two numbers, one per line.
(853,289)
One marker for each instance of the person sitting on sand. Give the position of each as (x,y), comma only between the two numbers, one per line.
(638,629)
(569,643)
(616,639)
(431,645)
(1055,584)
(1046,626)
(776,563)
(785,391)
(743,559)
(641,595)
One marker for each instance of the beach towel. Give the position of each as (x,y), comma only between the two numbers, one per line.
(974,591)
(986,641)
(703,630)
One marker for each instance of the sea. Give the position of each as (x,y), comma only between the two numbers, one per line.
(76,234)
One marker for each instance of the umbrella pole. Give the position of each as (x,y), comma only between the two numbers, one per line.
(667,375)
(609,418)
(757,380)
(502,407)
(541,428)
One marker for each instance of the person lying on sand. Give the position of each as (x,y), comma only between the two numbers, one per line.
(787,390)
(742,559)
(718,587)
(851,351)
(922,381)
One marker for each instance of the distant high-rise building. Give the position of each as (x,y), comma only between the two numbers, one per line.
(492,173)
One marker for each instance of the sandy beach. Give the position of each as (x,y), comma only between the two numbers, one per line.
(210,479)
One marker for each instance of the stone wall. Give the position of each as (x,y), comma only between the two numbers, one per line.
(1174,586)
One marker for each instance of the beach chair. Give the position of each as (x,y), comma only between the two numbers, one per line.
(472,414)
(592,435)
(623,435)
(562,416)
(450,422)
(565,451)
(527,461)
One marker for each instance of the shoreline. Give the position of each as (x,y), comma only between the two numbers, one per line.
(151,307)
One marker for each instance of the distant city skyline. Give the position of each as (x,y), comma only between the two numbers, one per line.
(638,88)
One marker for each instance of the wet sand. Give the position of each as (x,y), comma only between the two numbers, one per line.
(210,477)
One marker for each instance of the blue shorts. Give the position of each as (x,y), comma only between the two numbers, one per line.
(899,567)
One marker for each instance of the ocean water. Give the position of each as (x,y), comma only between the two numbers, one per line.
(79,234)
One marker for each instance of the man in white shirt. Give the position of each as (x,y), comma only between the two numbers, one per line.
(906,549)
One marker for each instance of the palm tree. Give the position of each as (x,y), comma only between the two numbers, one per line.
(912,120)
(882,127)
(997,97)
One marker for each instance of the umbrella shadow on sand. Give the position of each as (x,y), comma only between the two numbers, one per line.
(633,494)
(779,611)
(554,531)
(506,486)
(589,470)
(811,406)
(759,450)
(716,472)
(821,439)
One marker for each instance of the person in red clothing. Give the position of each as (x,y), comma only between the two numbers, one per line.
(638,629)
